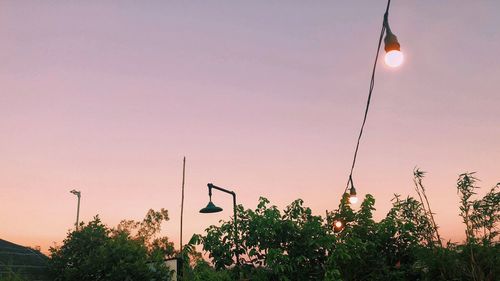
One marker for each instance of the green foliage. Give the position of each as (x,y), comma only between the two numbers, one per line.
(366,250)
(461,262)
(434,236)
(97,252)
(147,232)
(480,217)
(486,215)
(405,245)
(204,272)
(293,245)
(466,186)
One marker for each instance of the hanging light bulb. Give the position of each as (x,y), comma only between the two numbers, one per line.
(353,199)
(393,57)
(338,225)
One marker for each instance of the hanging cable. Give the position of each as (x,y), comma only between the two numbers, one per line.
(372,85)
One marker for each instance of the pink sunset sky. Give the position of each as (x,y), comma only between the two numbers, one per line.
(263,97)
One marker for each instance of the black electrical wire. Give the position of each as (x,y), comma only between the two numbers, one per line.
(372,85)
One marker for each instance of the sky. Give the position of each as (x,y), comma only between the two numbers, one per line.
(264,98)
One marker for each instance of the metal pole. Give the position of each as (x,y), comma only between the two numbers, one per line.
(78,211)
(236,240)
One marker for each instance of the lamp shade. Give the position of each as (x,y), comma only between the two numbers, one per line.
(210,208)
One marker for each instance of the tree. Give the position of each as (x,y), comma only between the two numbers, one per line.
(97,252)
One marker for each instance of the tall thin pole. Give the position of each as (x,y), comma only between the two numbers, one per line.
(78,211)
(182,199)
(78,194)
(236,240)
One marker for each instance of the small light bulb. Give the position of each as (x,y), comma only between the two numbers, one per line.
(353,199)
(394,58)
(338,224)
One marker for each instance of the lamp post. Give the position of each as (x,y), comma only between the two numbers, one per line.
(211,208)
(78,194)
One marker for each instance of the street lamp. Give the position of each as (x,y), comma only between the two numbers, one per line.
(78,194)
(211,208)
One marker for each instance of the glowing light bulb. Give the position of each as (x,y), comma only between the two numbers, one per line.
(394,58)
(338,224)
(353,199)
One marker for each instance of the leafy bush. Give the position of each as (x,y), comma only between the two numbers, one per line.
(405,245)
(97,252)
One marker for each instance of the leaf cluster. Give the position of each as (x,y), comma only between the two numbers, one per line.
(97,252)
